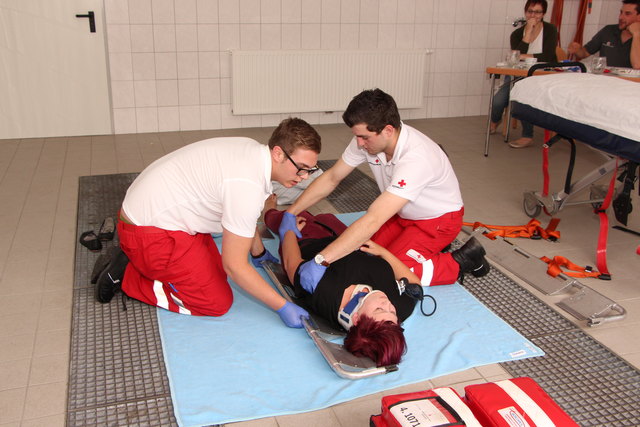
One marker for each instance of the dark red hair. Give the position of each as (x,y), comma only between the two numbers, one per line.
(382,342)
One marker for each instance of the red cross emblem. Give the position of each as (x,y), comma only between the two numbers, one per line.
(377,160)
(401,183)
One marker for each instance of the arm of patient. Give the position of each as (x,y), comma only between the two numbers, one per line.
(291,255)
(400,270)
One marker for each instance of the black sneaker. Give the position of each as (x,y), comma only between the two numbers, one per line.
(110,280)
(102,262)
(471,258)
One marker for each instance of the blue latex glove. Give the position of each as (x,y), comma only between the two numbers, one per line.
(291,315)
(310,275)
(288,223)
(266,256)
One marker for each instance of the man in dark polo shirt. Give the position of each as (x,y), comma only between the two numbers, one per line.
(620,44)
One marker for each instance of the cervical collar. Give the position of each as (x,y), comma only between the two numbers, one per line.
(358,297)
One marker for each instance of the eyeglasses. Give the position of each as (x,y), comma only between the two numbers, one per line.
(535,12)
(301,171)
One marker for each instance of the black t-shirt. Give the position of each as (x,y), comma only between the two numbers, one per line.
(608,41)
(357,268)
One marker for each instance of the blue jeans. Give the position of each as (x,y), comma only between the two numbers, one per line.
(500,102)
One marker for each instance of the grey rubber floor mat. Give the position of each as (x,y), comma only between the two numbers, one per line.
(355,193)
(590,383)
(593,385)
(117,374)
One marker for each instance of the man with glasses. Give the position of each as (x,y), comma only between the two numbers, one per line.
(288,195)
(420,209)
(219,185)
(620,44)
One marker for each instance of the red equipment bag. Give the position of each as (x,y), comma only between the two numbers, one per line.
(436,407)
(515,402)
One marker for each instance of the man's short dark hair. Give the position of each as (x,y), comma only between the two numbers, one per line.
(634,2)
(542,3)
(373,107)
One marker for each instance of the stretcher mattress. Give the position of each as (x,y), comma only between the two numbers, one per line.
(601,111)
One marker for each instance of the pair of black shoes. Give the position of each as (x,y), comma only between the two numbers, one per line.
(471,258)
(108,273)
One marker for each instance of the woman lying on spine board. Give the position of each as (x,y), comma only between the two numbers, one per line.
(368,293)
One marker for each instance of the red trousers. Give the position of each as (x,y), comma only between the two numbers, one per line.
(174,270)
(427,237)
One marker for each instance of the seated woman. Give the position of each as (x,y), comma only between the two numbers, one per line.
(362,292)
(536,39)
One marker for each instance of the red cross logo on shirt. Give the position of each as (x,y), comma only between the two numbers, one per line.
(377,160)
(401,183)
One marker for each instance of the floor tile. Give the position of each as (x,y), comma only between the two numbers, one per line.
(321,418)
(54,319)
(52,342)
(358,412)
(57,420)
(13,347)
(45,400)
(14,373)
(262,422)
(49,369)
(11,404)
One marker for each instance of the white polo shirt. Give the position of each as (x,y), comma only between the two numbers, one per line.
(419,171)
(202,187)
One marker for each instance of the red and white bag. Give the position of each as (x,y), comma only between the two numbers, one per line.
(436,407)
(516,402)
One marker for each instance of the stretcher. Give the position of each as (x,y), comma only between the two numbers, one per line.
(581,301)
(343,363)
(599,111)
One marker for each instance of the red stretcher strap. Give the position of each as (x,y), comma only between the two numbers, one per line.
(601,251)
(545,164)
(558,262)
(532,230)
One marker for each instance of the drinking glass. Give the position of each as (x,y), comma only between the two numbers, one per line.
(598,65)
(513,57)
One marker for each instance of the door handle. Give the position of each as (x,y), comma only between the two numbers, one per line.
(92,20)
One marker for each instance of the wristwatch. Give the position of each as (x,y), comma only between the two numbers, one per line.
(319,259)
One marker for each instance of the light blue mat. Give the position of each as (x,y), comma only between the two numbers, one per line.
(248,365)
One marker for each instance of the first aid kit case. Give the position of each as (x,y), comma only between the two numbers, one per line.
(517,402)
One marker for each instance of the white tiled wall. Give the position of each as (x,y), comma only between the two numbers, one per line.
(170,66)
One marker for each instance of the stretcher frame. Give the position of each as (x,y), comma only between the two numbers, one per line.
(612,148)
(535,201)
(342,362)
(618,144)
(583,303)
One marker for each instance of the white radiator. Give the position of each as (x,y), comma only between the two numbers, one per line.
(299,81)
